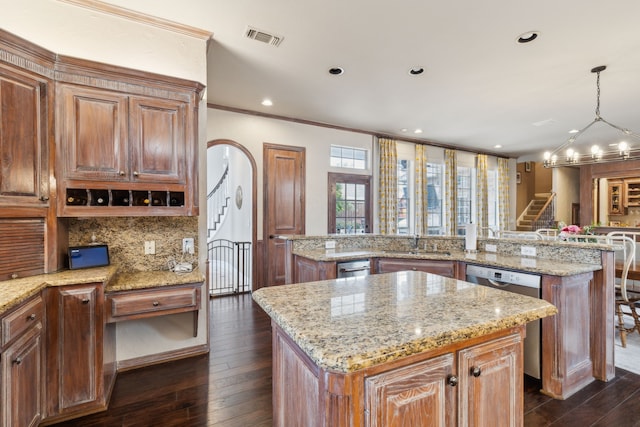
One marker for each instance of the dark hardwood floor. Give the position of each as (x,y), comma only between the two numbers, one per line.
(232,385)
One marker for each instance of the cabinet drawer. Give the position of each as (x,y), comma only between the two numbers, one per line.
(27,315)
(152,302)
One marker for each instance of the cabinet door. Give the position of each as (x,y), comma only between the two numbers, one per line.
(75,360)
(390,265)
(158,140)
(22,397)
(93,133)
(24,136)
(617,200)
(491,382)
(417,395)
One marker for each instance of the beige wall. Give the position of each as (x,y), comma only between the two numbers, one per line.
(253,131)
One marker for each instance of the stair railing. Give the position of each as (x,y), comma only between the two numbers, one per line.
(218,201)
(546,216)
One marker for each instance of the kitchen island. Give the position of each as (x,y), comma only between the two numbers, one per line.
(404,348)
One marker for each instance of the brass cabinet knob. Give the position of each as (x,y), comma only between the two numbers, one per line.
(452,380)
(32,316)
(476,371)
(156,303)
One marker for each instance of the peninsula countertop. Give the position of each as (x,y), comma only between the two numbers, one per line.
(530,264)
(15,291)
(348,324)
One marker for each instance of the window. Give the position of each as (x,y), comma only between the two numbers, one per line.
(348,157)
(434,198)
(405,225)
(465,199)
(349,204)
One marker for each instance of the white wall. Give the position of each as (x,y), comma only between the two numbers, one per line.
(253,131)
(566,184)
(79,32)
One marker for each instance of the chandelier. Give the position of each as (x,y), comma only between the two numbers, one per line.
(567,155)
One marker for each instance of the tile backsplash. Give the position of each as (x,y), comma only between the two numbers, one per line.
(125,237)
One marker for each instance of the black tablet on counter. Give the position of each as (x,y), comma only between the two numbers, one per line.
(88,256)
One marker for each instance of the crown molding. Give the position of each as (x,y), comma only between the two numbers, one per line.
(143,18)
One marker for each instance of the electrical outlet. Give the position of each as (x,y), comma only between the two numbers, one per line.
(491,248)
(527,251)
(330,244)
(149,247)
(188,245)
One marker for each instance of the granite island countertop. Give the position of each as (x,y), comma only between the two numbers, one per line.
(348,324)
(15,291)
(531,264)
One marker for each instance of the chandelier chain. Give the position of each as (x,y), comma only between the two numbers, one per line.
(598,95)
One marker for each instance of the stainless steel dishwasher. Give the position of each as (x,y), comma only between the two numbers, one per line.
(520,283)
(353,268)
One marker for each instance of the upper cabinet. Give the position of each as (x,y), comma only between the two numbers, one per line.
(127,142)
(24,168)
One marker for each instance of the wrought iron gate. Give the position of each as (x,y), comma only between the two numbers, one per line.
(229,267)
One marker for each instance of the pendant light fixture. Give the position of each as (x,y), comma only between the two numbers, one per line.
(568,155)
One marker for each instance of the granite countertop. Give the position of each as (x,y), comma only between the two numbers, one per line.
(530,264)
(16,291)
(349,324)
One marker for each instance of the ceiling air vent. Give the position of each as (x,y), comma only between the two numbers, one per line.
(263,36)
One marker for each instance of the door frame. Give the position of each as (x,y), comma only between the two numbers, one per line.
(254,202)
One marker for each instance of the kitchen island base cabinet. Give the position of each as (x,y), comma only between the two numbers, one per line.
(80,352)
(475,382)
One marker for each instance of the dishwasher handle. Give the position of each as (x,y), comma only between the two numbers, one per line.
(353,270)
(498,284)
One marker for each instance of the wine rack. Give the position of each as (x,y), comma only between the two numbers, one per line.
(97,198)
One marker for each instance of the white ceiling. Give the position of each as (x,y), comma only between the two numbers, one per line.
(480,88)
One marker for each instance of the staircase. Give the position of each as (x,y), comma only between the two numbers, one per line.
(538,214)
(218,203)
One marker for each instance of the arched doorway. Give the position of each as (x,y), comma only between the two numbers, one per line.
(231,218)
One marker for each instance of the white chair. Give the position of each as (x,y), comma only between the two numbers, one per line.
(633,235)
(626,300)
(513,234)
(548,233)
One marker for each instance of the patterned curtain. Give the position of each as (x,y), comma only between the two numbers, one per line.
(421,190)
(450,193)
(388,188)
(482,193)
(503,194)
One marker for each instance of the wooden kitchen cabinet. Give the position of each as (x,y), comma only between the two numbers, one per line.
(80,351)
(24,139)
(125,148)
(153,302)
(437,393)
(308,270)
(442,268)
(27,145)
(22,365)
(418,393)
(632,192)
(110,136)
(616,198)
(477,382)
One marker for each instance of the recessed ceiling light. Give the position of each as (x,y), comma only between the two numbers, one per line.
(267,102)
(417,131)
(497,146)
(336,71)
(574,131)
(416,71)
(528,37)
(403,130)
